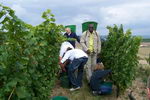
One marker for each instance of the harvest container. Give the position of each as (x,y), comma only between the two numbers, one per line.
(72,27)
(85,25)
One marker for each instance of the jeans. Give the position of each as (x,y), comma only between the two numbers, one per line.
(79,63)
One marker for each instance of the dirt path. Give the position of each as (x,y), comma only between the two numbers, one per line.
(144,62)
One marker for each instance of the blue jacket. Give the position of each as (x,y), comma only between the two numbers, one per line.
(72,35)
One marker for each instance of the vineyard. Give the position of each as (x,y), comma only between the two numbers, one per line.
(29,58)
(119,53)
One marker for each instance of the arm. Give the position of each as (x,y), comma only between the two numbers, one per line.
(62,51)
(66,56)
(82,41)
(63,61)
(98,43)
(60,58)
(63,65)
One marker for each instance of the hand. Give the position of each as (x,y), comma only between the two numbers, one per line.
(88,51)
(60,58)
(62,67)
(98,54)
(59,63)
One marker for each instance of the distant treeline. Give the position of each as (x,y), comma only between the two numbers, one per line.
(103,37)
(146,40)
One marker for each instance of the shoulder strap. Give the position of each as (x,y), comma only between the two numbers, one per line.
(96,33)
(86,34)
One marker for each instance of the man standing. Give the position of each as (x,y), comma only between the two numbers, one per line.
(91,44)
(78,59)
(71,35)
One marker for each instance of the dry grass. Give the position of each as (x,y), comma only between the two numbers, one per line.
(144,51)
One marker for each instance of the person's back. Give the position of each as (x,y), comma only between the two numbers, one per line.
(79,53)
(74,54)
(64,47)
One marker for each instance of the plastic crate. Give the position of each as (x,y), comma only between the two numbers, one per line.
(85,25)
(59,98)
(72,27)
(106,88)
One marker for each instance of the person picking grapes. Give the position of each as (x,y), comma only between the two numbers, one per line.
(78,59)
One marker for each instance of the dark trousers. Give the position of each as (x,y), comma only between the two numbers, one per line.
(76,81)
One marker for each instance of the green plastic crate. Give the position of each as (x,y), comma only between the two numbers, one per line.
(59,98)
(85,25)
(106,87)
(72,27)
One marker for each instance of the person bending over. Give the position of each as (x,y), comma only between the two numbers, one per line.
(78,59)
(97,77)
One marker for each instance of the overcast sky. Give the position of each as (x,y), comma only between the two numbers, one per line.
(133,14)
